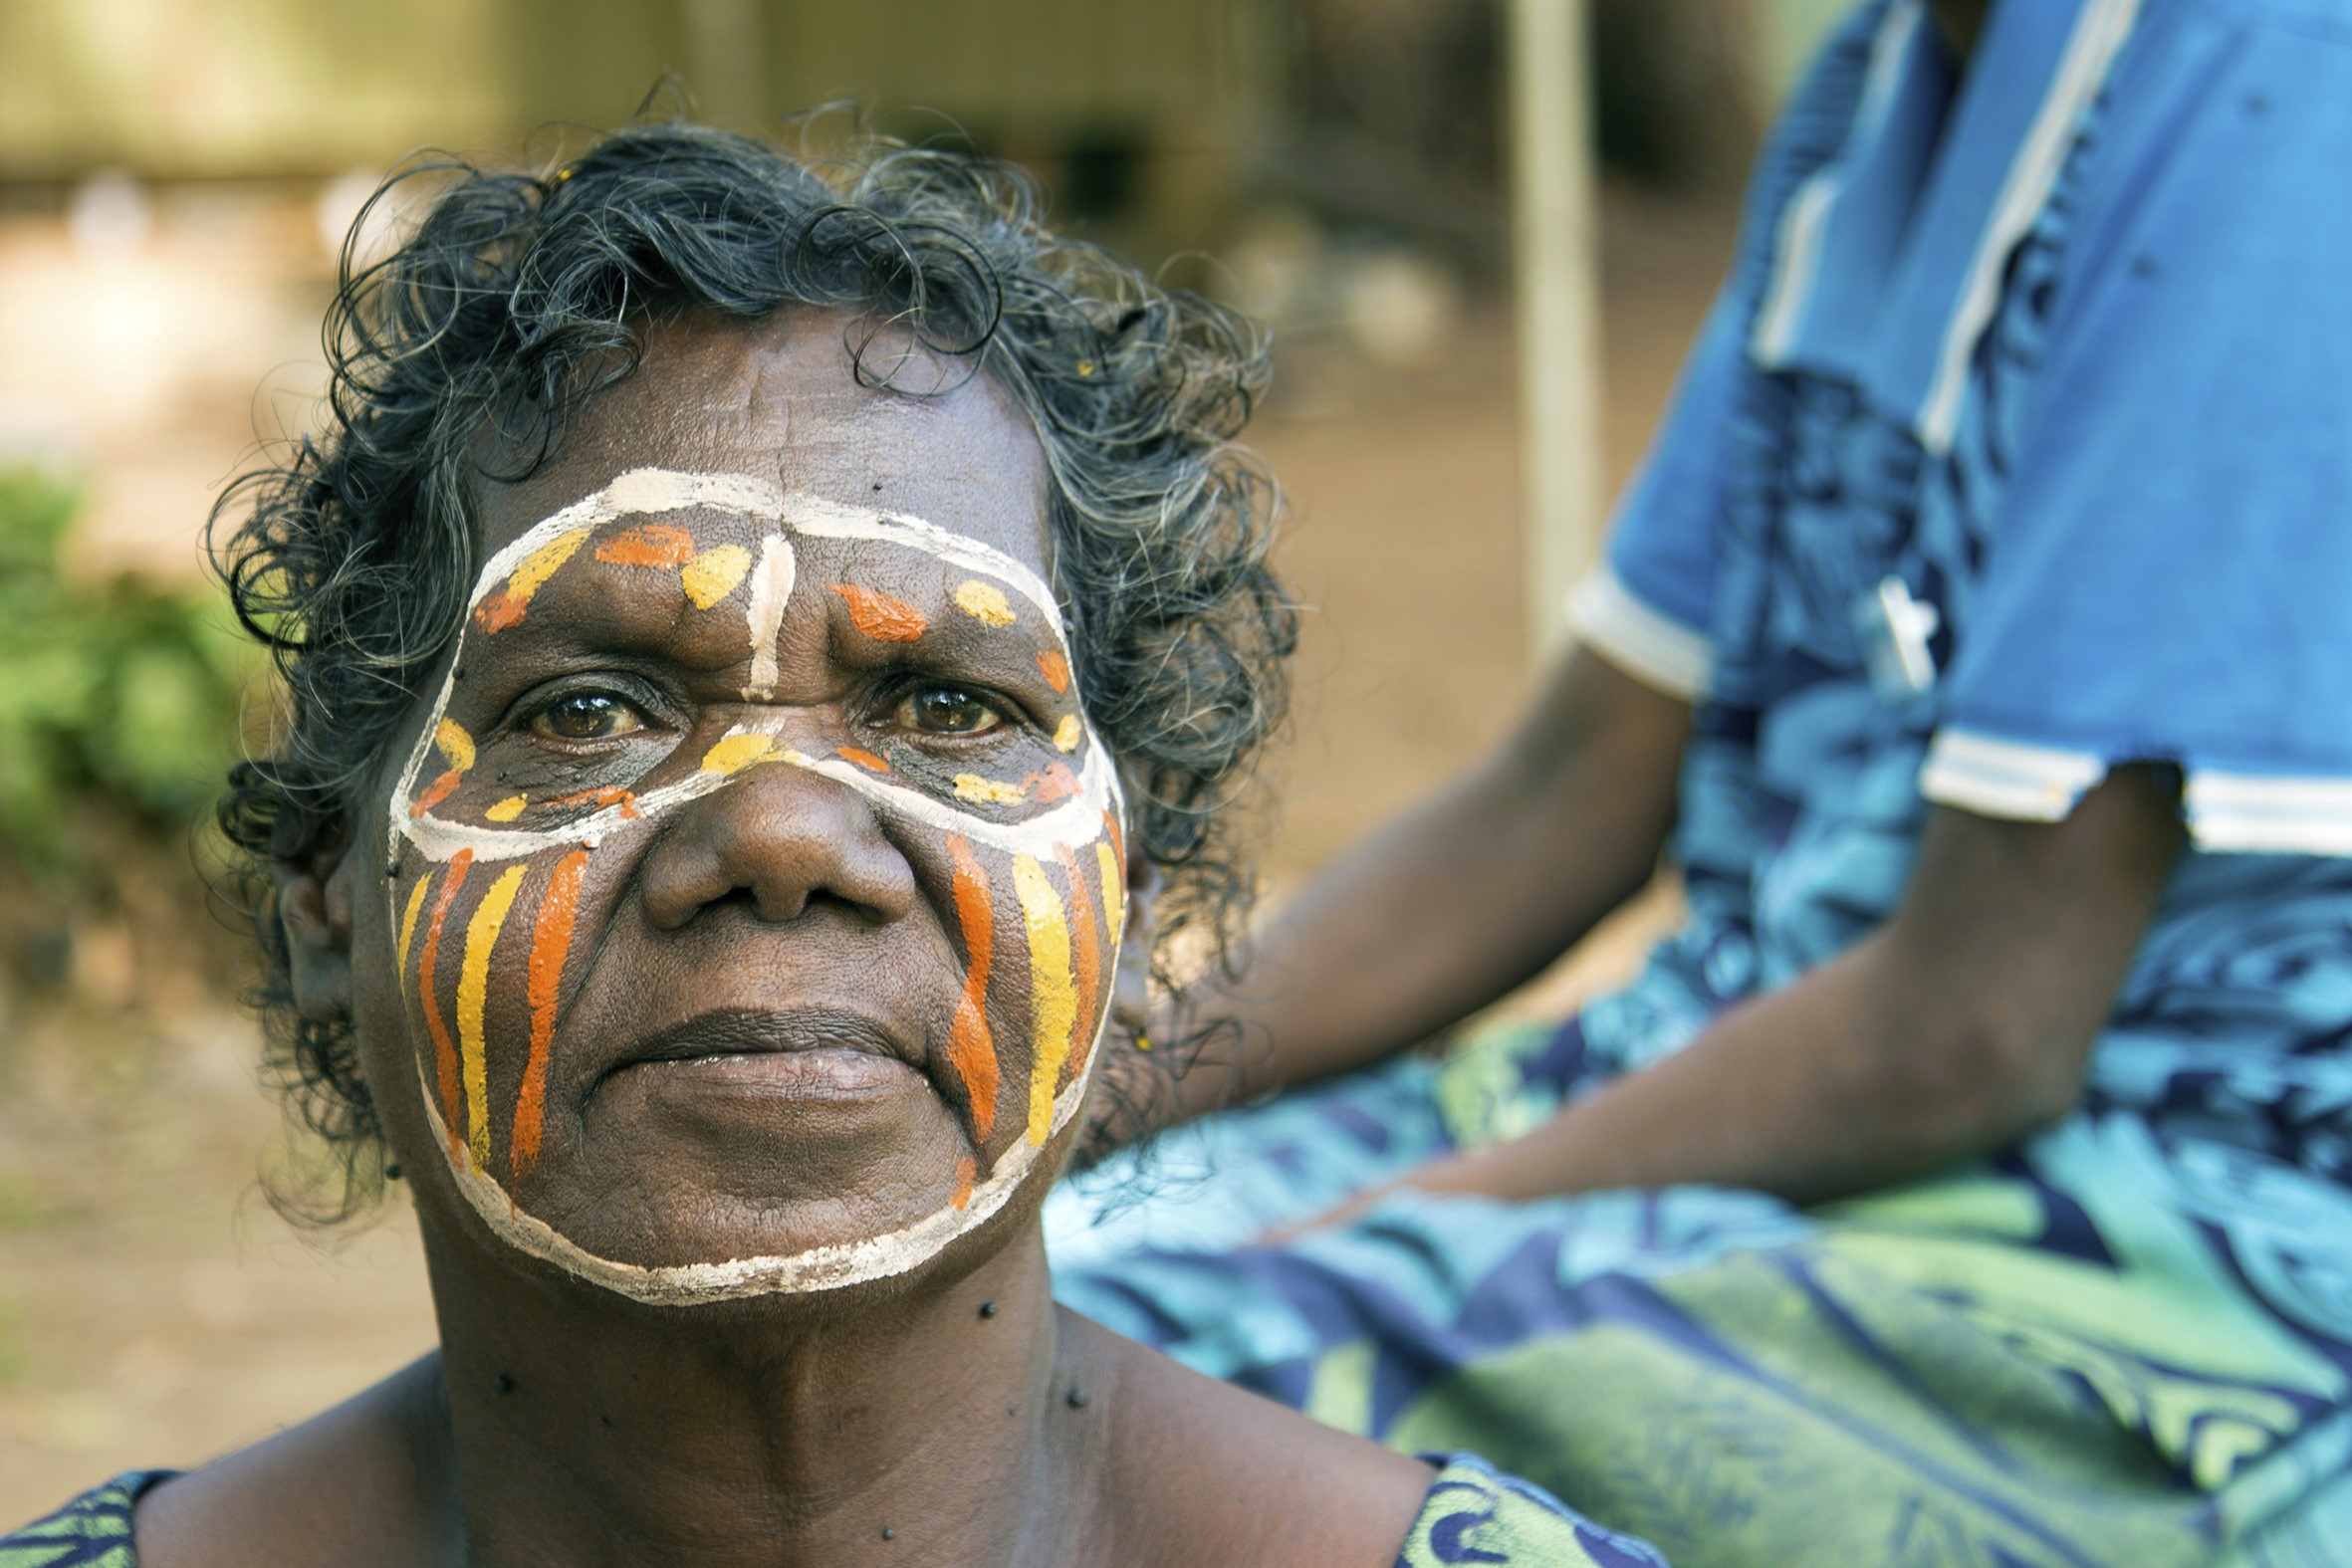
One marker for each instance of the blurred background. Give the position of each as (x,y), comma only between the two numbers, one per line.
(176,177)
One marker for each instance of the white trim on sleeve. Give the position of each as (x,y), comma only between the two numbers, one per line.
(2254,813)
(1653,648)
(1797,249)
(2226,814)
(2099,33)
(2006,778)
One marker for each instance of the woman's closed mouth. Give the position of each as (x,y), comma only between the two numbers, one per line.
(796,1053)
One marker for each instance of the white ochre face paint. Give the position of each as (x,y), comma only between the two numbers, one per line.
(489,871)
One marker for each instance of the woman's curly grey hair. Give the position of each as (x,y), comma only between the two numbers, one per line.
(516,296)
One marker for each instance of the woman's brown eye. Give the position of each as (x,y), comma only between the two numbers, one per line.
(586,716)
(947,710)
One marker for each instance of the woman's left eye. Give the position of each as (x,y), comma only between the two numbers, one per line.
(947,710)
(588,716)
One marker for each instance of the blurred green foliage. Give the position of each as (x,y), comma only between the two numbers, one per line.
(123,695)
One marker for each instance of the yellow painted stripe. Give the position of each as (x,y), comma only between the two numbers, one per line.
(473,989)
(1114,896)
(1053,998)
(416,894)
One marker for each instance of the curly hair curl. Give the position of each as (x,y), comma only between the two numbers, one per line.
(518,296)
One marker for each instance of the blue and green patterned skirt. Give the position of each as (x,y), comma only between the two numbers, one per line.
(2106,1349)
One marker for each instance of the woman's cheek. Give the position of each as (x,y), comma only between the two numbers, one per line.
(482,951)
(1041,937)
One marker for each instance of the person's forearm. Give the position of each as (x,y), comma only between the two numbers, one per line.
(1957,1028)
(1813,1092)
(1456,903)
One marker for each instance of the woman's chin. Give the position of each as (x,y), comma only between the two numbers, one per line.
(726,1159)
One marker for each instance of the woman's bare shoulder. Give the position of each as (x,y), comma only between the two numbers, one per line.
(1216,1473)
(367,1483)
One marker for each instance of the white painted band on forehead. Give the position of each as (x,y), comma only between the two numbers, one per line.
(818,1268)
(646,492)
(1075,821)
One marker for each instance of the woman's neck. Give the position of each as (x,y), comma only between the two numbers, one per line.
(937,1427)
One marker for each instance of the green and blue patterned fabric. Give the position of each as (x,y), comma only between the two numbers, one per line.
(1477,1514)
(2018,446)
(91,1531)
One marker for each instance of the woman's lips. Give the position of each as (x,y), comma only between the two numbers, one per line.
(801,1054)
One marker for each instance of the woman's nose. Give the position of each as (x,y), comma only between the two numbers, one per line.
(779,838)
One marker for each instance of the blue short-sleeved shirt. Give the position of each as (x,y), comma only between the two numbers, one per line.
(2018,446)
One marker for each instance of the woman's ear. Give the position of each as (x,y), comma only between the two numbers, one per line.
(314,911)
(1130,986)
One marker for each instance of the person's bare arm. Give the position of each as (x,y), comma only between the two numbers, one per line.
(1960,1024)
(1448,908)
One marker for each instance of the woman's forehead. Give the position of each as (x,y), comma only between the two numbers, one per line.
(782,400)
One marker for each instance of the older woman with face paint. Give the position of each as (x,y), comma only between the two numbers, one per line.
(754,649)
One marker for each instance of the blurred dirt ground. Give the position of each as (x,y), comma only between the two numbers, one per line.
(153,1310)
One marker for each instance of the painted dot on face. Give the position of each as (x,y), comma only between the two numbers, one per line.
(454,743)
(713,574)
(506,810)
(882,616)
(975,791)
(984,602)
(1068,733)
(1056,669)
(862,758)
(661,545)
(736,752)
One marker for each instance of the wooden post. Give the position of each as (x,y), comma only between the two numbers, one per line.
(1554,262)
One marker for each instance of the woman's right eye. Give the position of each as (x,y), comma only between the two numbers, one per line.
(588,716)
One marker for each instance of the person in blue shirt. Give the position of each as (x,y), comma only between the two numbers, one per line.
(1965,1180)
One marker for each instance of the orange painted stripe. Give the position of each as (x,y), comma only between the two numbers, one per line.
(1119,841)
(880,615)
(609,795)
(965,1171)
(1056,669)
(551,944)
(445,1065)
(662,545)
(435,793)
(1086,961)
(971,1049)
(863,759)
